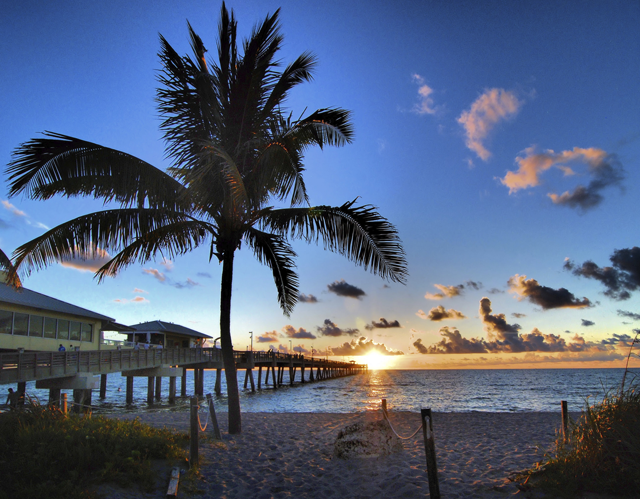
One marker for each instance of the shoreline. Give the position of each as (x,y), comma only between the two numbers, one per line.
(291,454)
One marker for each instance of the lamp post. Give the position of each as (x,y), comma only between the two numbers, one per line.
(290,347)
(251,333)
(311,352)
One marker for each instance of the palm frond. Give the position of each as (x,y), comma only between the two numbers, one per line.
(359,233)
(274,251)
(12,273)
(60,164)
(170,240)
(85,235)
(330,126)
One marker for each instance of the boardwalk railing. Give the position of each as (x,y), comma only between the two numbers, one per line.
(29,366)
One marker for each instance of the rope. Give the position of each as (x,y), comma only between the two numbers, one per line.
(200,424)
(386,416)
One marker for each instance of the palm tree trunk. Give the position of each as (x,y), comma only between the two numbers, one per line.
(235,424)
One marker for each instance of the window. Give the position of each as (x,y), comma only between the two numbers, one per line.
(49,327)
(63,329)
(35,325)
(74,330)
(20,323)
(6,322)
(87,332)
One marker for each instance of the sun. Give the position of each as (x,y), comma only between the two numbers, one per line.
(375,360)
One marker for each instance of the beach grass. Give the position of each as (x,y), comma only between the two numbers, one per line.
(48,454)
(601,452)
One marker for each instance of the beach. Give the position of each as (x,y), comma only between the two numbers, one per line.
(291,455)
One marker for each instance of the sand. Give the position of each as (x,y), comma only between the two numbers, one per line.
(291,455)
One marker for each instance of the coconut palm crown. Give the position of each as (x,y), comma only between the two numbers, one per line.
(235,153)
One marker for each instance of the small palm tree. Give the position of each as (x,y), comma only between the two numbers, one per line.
(235,152)
(7,266)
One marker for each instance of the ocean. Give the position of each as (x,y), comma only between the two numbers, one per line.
(504,390)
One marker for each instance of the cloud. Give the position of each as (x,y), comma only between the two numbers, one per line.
(302,298)
(544,296)
(474,285)
(141,291)
(604,169)
(445,292)
(518,315)
(496,325)
(341,288)
(630,315)
(362,346)
(495,291)
(155,273)
(204,274)
(382,324)
(619,279)
(329,328)
(137,299)
(22,215)
(167,264)
(189,283)
(88,261)
(453,342)
(269,337)
(425,103)
(290,332)
(439,313)
(587,323)
(492,107)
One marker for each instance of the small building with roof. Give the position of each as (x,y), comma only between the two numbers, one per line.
(33,321)
(166,335)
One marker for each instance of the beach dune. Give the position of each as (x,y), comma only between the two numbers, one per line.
(291,455)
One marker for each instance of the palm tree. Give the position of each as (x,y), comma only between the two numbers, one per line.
(235,152)
(7,265)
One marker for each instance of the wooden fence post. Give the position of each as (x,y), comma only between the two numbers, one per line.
(214,419)
(63,403)
(430,450)
(194,429)
(565,421)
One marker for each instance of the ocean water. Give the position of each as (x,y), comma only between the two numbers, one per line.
(505,390)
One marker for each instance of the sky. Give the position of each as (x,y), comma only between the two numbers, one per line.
(501,138)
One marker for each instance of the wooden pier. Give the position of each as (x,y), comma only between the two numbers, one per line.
(80,370)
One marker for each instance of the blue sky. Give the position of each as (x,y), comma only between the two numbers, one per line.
(501,138)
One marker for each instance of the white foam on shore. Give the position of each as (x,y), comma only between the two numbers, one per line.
(291,455)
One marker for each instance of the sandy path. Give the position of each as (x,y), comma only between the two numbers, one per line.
(291,455)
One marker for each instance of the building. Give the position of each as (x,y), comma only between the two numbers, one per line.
(166,335)
(36,322)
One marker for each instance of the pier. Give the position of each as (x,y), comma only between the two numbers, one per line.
(84,371)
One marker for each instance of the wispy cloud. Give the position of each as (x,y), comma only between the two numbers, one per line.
(544,296)
(19,214)
(492,107)
(425,103)
(302,298)
(88,261)
(161,277)
(155,273)
(135,300)
(604,170)
(445,292)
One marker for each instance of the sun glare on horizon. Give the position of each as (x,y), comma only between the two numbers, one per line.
(375,360)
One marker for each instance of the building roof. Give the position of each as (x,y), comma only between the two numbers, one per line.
(32,299)
(168,327)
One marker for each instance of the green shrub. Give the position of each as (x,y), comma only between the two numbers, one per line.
(49,454)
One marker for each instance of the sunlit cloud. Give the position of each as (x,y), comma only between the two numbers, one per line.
(439,313)
(269,337)
(544,296)
(342,288)
(135,300)
(492,107)
(620,279)
(167,264)
(604,169)
(302,298)
(425,103)
(362,346)
(445,292)
(330,328)
(22,215)
(291,332)
(140,291)
(382,324)
(87,261)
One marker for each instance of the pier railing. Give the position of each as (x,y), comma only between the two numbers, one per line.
(29,366)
